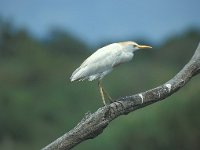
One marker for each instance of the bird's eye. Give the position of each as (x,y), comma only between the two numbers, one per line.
(134,46)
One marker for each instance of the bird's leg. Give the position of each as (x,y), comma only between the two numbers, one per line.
(101,92)
(106,93)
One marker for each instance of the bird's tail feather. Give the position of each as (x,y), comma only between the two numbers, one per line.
(77,75)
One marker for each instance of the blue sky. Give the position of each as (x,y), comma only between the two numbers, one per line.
(99,21)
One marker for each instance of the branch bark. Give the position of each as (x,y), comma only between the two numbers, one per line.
(93,124)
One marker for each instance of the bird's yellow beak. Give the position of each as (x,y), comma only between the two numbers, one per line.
(144,46)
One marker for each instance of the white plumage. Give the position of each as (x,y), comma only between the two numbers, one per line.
(102,62)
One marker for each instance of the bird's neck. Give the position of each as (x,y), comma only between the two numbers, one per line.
(129,49)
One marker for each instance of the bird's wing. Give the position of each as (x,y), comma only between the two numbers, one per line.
(102,54)
(100,61)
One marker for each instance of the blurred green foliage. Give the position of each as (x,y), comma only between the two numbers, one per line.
(38,103)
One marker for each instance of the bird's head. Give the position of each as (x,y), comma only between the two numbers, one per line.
(133,46)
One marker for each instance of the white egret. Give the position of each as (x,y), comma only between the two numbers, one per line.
(102,62)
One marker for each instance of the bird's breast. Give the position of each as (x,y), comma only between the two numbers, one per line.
(122,58)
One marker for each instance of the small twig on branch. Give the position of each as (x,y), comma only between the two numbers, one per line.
(93,124)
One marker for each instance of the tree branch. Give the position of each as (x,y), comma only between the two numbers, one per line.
(93,124)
